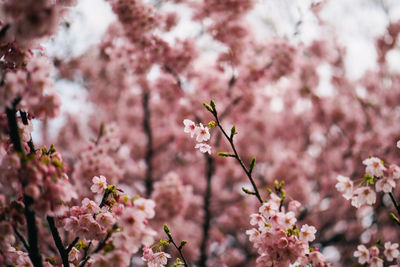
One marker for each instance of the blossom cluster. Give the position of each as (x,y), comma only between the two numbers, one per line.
(99,156)
(33,87)
(170,189)
(371,256)
(277,238)
(43,179)
(383,177)
(202,134)
(118,222)
(157,259)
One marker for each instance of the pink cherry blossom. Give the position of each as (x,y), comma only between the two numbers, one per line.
(203,147)
(345,186)
(362,254)
(307,233)
(385,184)
(391,251)
(374,167)
(202,133)
(363,195)
(190,127)
(99,184)
(73,255)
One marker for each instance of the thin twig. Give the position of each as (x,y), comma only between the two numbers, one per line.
(179,248)
(236,155)
(22,238)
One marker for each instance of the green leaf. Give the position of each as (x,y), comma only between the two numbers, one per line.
(391,214)
(183,242)
(252,164)
(233,131)
(212,104)
(247,191)
(166,230)
(211,124)
(208,107)
(225,154)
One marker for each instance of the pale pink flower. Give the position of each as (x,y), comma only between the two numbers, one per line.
(398,144)
(71,224)
(73,254)
(289,219)
(374,166)
(158,259)
(345,186)
(105,219)
(362,253)
(254,234)
(90,206)
(363,195)
(146,205)
(257,219)
(391,251)
(395,171)
(385,184)
(99,184)
(269,208)
(190,127)
(307,233)
(376,262)
(204,148)
(32,190)
(202,133)
(374,251)
(317,258)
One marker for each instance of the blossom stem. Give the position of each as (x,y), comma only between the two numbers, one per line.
(236,156)
(171,240)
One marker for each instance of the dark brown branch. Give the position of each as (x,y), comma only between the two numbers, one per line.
(4,30)
(13,125)
(57,240)
(22,238)
(210,169)
(33,252)
(149,145)
(163,146)
(174,74)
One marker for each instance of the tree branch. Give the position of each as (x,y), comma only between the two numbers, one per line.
(149,145)
(210,169)
(33,251)
(57,240)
